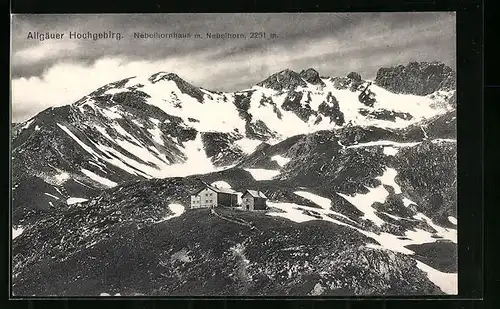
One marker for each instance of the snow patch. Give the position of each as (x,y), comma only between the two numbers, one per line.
(221,184)
(390,151)
(177,210)
(445,233)
(98,178)
(17,231)
(443,140)
(98,166)
(407,202)
(197,161)
(37,128)
(364,202)
(453,220)
(262,174)
(388,178)
(27,124)
(248,145)
(77,140)
(447,282)
(280,159)
(107,294)
(111,113)
(155,121)
(386,241)
(61,178)
(157,135)
(384,143)
(52,196)
(318,200)
(420,107)
(74,200)
(291,211)
(323,202)
(137,123)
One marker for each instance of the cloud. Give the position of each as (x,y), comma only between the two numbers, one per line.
(45,51)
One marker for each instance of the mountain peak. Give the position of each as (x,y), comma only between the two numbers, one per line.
(312,76)
(183,85)
(286,79)
(164,76)
(418,78)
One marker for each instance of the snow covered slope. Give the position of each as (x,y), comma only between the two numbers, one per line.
(161,126)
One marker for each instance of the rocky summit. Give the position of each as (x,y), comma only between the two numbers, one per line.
(360,198)
(417,78)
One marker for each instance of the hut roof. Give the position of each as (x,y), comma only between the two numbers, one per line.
(255,193)
(215,189)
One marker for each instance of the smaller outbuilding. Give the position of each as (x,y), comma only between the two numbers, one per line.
(253,200)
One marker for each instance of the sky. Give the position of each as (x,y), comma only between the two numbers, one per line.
(60,71)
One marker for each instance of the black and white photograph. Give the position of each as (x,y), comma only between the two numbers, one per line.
(233,154)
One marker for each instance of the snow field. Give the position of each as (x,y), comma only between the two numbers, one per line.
(248,145)
(447,282)
(196,161)
(262,174)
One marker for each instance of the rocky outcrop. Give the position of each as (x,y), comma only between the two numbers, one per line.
(219,147)
(312,76)
(293,103)
(330,108)
(242,103)
(417,78)
(384,114)
(354,76)
(183,86)
(284,80)
(259,130)
(352,81)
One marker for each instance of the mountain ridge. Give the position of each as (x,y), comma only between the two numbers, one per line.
(128,129)
(122,161)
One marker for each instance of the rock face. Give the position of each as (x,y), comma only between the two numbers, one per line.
(312,76)
(219,147)
(330,108)
(384,114)
(183,86)
(354,76)
(417,78)
(284,80)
